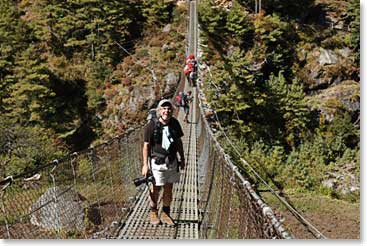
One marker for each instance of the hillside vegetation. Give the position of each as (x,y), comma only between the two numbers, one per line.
(73,73)
(285,81)
(285,86)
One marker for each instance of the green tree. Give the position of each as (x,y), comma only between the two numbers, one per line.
(239,25)
(277,41)
(30,98)
(212,19)
(88,28)
(25,148)
(157,12)
(288,101)
(353,18)
(236,96)
(14,38)
(288,9)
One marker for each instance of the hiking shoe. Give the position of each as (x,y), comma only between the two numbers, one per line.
(154,220)
(166,219)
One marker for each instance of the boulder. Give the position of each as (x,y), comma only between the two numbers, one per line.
(165,47)
(345,52)
(140,96)
(171,83)
(336,99)
(65,213)
(327,57)
(329,183)
(167,28)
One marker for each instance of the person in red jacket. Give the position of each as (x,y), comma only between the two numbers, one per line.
(189,58)
(190,69)
(187,71)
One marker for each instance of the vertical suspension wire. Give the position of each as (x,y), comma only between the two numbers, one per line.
(120,183)
(130,161)
(128,170)
(72,165)
(208,182)
(218,192)
(232,183)
(111,181)
(259,6)
(188,33)
(92,158)
(55,201)
(121,160)
(2,192)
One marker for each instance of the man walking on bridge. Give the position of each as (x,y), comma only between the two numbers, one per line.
(162,141)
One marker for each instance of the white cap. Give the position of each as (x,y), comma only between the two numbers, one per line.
(164,101)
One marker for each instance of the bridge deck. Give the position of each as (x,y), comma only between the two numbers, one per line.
(185,196)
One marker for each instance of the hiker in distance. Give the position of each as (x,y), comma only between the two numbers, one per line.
(183,100)
(162,142)
(190,69)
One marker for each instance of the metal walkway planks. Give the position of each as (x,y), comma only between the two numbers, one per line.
(184,207)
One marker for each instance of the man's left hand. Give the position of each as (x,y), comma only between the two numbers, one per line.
(182,164)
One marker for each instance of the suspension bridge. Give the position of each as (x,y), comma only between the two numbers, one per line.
(90,194)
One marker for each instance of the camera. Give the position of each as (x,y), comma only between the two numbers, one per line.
(141,180)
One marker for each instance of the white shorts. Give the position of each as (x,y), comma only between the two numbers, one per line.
(165,174)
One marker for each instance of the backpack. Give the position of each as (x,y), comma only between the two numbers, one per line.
(178,100)
(194,66)
(184,100)
(152,114)
(188,69)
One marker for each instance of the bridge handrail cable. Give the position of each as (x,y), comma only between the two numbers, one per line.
(294,212)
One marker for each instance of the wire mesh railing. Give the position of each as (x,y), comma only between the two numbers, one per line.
(86,195)
(229,206)
(89,194)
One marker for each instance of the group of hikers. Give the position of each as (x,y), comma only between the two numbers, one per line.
(190,69)
(162,143)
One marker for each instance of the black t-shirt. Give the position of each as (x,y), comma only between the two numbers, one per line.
(174,129)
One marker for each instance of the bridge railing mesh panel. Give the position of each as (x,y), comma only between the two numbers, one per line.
(228,205)
(86,195)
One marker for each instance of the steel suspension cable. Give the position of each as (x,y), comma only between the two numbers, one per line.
(300,218)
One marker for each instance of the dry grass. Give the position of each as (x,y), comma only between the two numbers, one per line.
(335,219)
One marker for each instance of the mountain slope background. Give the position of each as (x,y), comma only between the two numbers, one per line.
(75,73)
(285,87)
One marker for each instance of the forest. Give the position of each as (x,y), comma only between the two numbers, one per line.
(285,82)
(285,85)
(63,72)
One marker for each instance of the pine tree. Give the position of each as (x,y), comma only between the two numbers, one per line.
(156,12)
(288,100)
(30,98)
(239,25)
(13,36)
(277,41)
(353,18)
(213,19)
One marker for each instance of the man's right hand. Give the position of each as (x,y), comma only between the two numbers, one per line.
(145,170)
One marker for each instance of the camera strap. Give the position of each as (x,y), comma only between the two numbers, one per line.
(150,170)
